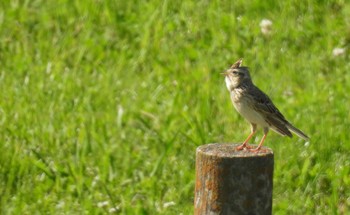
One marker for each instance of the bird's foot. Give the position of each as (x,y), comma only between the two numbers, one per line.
(240,147)
(258,149)
(248,147)
(243,146)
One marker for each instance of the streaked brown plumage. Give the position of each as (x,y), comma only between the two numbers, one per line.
(255,106)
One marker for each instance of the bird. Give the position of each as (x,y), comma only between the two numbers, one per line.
(255,106)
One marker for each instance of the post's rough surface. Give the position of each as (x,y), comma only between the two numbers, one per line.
(233,182)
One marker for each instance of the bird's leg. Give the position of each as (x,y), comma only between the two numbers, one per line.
(266,130)
(245,143)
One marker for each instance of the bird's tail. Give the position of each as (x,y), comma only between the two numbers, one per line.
(297,132)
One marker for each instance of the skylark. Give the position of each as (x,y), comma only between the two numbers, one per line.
(255,106)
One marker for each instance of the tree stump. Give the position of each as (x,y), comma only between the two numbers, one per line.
(233,182)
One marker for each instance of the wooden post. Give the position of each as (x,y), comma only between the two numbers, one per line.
(233,182)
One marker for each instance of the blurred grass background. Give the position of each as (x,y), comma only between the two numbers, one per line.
(103,103)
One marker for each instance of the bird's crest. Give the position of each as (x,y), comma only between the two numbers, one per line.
(237,64)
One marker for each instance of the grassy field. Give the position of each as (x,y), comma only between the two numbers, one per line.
(103,103)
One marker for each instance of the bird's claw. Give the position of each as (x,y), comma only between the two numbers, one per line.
(243,146)
(258,149)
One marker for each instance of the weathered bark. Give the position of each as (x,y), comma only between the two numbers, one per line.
(233,182)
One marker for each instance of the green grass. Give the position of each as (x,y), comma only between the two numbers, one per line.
(103,103)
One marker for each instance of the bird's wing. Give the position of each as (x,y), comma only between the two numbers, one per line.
(272,115)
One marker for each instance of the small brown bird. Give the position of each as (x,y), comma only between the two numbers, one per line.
(255,106)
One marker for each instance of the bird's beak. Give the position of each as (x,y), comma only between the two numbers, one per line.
(225,73)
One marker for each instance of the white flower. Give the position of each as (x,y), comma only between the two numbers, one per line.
(266,26)
(102,204)
(338,51)
(113,210)
(168,204)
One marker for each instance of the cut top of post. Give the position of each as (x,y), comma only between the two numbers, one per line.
(229,150)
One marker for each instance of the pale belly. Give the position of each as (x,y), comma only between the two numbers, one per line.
(249,113)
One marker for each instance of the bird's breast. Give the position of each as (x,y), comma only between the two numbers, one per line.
(244,106)
(237,95)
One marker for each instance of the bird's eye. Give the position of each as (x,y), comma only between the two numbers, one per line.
(235,73)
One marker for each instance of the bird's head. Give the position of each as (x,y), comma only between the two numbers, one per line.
(236,75)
